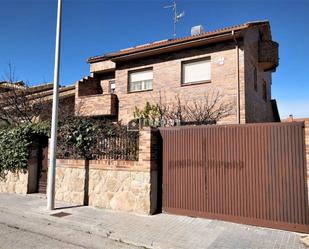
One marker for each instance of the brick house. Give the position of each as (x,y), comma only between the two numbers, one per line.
(43,93)
(236,61)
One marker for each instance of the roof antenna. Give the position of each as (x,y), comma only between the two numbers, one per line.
(176,16)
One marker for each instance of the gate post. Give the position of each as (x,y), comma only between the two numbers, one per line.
(148,159)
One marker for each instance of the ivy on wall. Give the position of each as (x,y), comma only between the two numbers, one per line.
(15,145)
(78,138)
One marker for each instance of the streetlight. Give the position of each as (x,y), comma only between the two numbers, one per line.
(54,126)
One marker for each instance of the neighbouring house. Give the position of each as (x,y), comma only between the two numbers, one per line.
(8,86)
(17,93)
(17,105)
(236,61)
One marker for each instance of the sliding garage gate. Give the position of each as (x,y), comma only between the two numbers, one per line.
(253,173)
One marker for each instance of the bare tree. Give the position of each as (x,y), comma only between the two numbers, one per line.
(208,109)
(20,103)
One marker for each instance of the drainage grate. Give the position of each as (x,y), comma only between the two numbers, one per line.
(60,214)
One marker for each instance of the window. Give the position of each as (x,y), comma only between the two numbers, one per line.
(264,91)
(197,71)
(112,86)
(255,79)
(140,80)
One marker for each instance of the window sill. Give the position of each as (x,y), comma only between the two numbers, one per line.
(148,90)
(196,83)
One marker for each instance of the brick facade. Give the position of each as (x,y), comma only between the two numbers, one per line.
(232,65)
(257,109)
(167,79)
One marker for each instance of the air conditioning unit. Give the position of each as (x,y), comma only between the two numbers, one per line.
(197,30)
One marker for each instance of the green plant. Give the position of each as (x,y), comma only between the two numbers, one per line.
(90,138)
(15,145)
(78,135)
(150,114)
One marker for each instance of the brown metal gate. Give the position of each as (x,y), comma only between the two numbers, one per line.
(253,173)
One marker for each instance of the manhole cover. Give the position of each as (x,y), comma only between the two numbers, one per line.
(60,214)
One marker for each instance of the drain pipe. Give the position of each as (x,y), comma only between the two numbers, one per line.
(238,85)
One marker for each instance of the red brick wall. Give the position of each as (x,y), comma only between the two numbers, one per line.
(257,109)
(167,79)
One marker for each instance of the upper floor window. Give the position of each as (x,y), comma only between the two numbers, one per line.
(140,80)
(264,90)
(255,78)
(196,71)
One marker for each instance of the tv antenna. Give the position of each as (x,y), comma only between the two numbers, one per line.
(176,16)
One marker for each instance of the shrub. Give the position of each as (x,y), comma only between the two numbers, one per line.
(15,145)
(90,138)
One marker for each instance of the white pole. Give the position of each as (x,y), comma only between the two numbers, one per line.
(53,141)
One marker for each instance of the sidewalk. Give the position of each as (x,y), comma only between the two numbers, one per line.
(87,227)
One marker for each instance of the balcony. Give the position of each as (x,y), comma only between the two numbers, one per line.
(268,55)
(97,105)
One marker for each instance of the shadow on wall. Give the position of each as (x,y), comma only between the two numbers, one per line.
(86,184)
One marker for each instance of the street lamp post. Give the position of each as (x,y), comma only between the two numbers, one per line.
(53,140)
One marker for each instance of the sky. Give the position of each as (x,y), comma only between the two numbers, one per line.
(94,27)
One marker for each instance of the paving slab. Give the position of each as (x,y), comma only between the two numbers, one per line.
(89,227)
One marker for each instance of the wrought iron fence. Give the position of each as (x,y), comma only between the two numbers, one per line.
(122,146)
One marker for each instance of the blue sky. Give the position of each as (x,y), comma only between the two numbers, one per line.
(93,27)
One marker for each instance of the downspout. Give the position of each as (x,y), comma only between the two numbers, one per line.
(238,84)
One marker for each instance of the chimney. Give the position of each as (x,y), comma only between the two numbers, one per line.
(197,30)
(290,118)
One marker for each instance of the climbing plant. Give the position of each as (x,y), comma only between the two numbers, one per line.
(15,145)
(92,138)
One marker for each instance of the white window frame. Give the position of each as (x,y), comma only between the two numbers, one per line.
(207,79)
(145,84)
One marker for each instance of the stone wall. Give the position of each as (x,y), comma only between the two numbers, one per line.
(22,182)
(70,181)
(14,183)
(113,184)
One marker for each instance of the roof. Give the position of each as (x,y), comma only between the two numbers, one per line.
(292,119)
(44,91)
(177,41)
(10,85)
